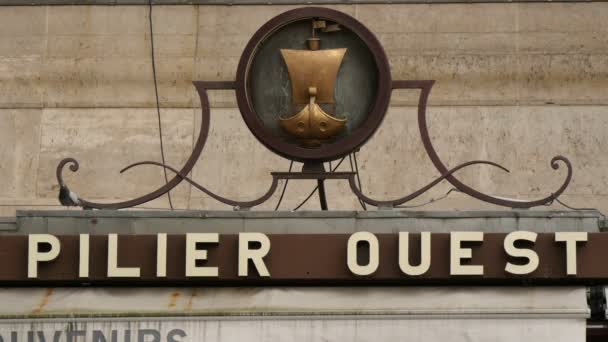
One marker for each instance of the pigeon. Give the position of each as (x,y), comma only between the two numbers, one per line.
(68,197)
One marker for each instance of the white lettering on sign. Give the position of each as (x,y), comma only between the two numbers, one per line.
(161,255)
(255,255)
(113,270)
(529,254)
(374,253)
(34,255)
(193,254)
(571,238)
(404,254)
(83,259)
(458,253)
(254,249)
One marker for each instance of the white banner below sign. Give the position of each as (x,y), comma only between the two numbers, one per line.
(270,329)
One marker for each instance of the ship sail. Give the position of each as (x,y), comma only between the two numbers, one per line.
(313,76)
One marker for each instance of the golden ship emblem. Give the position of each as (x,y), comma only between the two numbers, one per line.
(313,76)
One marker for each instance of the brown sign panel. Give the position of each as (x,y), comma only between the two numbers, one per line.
(311,259)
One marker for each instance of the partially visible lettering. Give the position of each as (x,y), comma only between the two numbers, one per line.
(95,335)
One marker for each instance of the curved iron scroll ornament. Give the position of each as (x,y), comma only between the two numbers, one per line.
(67,197)
(425,89)
(312,158)
(64,192)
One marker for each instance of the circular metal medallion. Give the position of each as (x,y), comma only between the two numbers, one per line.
(313,84)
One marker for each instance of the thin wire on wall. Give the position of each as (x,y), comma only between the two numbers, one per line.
(317,187)
(355,169)
(160,126)
(284,188)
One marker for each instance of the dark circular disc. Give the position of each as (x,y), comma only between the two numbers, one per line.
(362,90)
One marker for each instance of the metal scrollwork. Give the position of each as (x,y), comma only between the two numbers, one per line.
(425,87)
(74,200)
(303,125)
(67,197)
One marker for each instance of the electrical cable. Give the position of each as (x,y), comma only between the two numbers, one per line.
(317,187)
(355,169)
(578,209)
(160,126)
(432,200)
(284,188)
(350,160)
(358,178)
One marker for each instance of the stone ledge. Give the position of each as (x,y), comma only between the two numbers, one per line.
(443,214)
(301,222)
(254,2)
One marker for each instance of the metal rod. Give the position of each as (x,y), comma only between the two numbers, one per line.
(322,198)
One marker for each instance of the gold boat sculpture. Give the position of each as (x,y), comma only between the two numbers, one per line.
(313,76)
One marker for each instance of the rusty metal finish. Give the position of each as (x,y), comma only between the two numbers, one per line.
(425,87)
(202,88)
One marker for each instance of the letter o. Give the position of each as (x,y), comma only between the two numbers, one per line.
(374,253)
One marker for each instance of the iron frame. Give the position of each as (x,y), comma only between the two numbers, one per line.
(312,157)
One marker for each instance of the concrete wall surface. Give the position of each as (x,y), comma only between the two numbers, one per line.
(516,84)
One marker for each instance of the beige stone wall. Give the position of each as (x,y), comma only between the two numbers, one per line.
(516,84)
